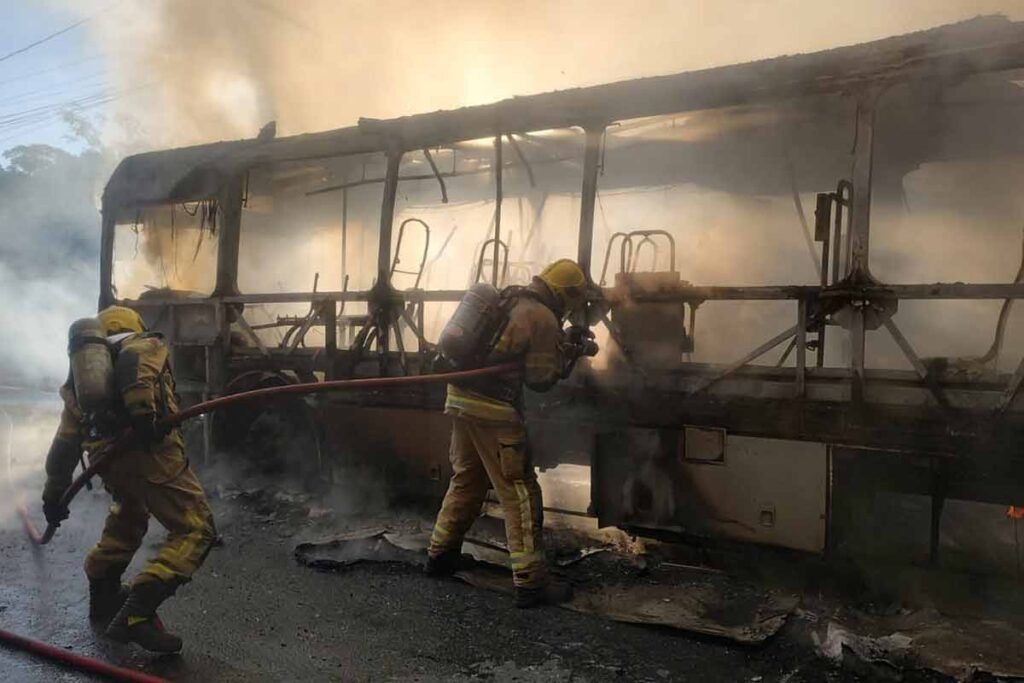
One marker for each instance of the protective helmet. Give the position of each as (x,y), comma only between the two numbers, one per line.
(117,319)
(567,282)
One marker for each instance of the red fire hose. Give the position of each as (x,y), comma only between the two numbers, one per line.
(120,674)
(78,662)
(224,401)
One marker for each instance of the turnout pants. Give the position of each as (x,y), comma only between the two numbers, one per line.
(158,483)
(485,451)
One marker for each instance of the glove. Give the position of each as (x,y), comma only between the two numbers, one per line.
(54,512)
(148,430)
(589,348)
(580,342)
(577,334)
(61,460)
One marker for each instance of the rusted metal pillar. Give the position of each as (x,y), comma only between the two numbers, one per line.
(344,234)
(216,374)
(107,258)
(863,160)
(588,195)
(801,347)
(329,313)
(229,203)
(844,200)
(387,216)
(860,229)
(498,193)
(857,339)
(939,491)
(382,303)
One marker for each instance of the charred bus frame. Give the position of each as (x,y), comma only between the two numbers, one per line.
(915,412)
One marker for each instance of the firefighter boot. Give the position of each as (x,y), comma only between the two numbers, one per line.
(551,593)
(137,622)
(106,596)
(445,564)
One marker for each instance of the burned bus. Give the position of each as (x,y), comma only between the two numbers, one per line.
(807,267)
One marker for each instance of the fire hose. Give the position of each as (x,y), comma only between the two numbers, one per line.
(102,456)
(79,662)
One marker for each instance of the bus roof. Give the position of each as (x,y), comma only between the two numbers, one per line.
(983,44)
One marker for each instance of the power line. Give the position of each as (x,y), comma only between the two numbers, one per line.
(60,32)
(53,106)
(25,132)
(43,122)
(57,67)
(32,120)
(43,40)
(56,113)
(56,89)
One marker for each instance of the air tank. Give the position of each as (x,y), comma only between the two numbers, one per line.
(92,368)
(470,332)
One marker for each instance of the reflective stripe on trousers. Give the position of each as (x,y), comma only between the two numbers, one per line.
(162,485)
(486,452)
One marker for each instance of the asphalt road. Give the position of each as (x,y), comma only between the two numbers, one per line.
(253,614)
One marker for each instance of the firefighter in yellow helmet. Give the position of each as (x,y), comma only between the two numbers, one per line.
(152,477)
(489,438)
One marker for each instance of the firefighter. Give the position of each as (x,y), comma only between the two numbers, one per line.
(150,477)
(488,443)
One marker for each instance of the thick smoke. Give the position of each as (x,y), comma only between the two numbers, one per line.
(221,69)
(27,419)
(48,258)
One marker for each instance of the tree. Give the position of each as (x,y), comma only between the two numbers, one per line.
(33,159)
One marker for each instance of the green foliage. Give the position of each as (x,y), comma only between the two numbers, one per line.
(32,159)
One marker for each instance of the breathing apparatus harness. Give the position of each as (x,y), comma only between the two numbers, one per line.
(92,378)
(469,338)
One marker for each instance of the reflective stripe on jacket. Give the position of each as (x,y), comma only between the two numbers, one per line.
(533,336)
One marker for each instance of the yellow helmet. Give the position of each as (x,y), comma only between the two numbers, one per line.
(117,319)
(567,282)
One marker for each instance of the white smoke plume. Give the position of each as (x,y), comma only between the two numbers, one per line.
(222,68)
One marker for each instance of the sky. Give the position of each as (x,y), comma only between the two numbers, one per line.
(68,68)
